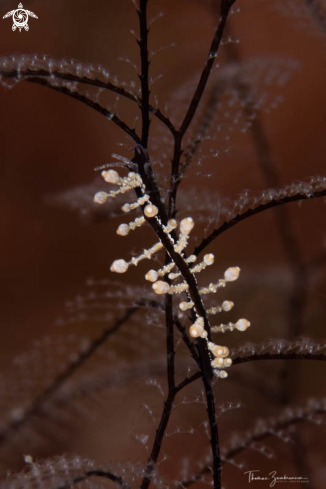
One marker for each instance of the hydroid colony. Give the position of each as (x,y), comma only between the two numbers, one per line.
(163,279)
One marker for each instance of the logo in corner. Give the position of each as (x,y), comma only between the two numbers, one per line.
(20,18)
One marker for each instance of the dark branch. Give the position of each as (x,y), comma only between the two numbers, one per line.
(94,105)
(175,173)
(225,8)
(280,356)
(144,76)
(93,473)
(39,402)
(252,212)
(25,75)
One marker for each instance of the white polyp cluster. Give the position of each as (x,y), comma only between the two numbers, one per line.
(230,275)
(226,306)
(207,261)
(131,181)
(240,325)
(218,354)
(186,226)
(220,359)
(130,207)
(123,229)
(147,254)
(177,289)
(197,329)
(186,305)
(161,287)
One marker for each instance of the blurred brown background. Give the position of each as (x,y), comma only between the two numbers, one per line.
(50,143)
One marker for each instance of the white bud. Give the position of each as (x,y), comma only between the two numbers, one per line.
(196,330)
(217,362)
(186,305)
(227,362)
(172,223)
(204,334)
(223,374)
(132,175)
(160,287)
(119,266)
(232,274)
(225,352)
(111,176)
(242,324)
(209,259)
(28,459)
(217,350)
(150,210)
(186,225)
(100,197)
(227,305)
(151,276)
(123,230)
(125,208)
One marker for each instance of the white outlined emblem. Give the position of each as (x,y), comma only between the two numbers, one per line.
(20,18)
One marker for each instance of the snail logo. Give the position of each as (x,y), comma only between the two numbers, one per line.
(20,18)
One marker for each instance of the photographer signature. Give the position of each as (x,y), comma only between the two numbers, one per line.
(274,478)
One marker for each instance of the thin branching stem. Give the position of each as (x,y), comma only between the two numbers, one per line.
(141,159)
(178,137)
(38,403)
(144,75)
(279,356)
(224,12)
(269,431)
(94,105)
(252,212)
(93,473)
(170,342)
(168,405)
(30,75)
(160,433)
(273,427)
(188,380)
(214,440)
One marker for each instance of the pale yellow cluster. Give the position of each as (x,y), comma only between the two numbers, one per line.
(218,354)
(220,359)
(132,180)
